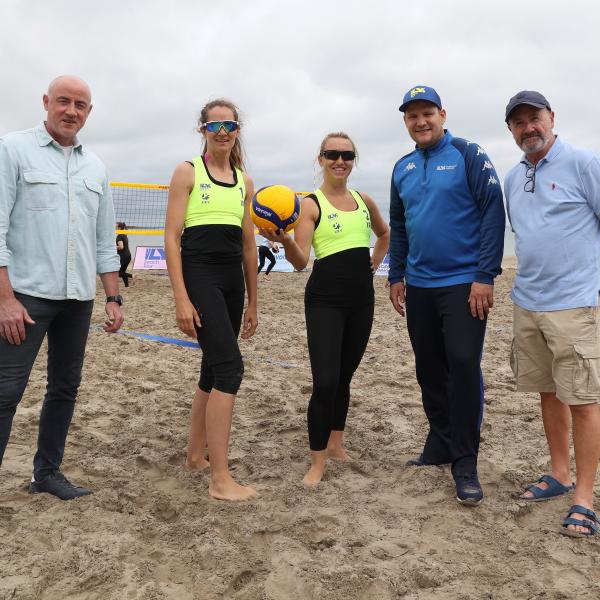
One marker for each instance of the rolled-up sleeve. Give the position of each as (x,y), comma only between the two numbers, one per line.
(8,192)
(107,259)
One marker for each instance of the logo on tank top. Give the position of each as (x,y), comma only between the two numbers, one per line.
(242,195)
(337,228)
(205,198)
(332,216)
(367,217)
(204,186)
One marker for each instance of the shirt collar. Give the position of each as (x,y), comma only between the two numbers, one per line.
(445,139)
(45,139)
(552,153)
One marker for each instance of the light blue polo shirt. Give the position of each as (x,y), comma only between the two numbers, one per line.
(557,229)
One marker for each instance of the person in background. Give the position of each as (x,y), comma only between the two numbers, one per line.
(339,298)
(265,252)
(56,233)
(124,253)
(211,250)
(553,204)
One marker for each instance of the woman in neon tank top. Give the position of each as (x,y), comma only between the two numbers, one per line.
(209,241)
(339,298)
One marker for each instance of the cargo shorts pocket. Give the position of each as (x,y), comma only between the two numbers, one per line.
(586,373)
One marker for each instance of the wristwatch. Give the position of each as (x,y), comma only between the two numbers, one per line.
(118,299)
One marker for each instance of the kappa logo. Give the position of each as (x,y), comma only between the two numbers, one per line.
(492,180)
(487,165)
(332,216)
(410,166)
(445,167)
(480,150)
(417,90)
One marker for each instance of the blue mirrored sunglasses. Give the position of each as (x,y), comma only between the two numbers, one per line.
(215,126)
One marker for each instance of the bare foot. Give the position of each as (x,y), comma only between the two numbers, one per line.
(338,454)
(230,490)
(197,465)
(314,476)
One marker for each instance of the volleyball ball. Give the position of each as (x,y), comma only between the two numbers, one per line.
(275,207)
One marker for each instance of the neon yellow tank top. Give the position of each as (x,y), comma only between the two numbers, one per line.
(341,229)
(211,202)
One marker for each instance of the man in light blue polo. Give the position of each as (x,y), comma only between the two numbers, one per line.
(56,233)
(553,203)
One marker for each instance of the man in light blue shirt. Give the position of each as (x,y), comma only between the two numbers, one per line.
(553,203)
(56,233)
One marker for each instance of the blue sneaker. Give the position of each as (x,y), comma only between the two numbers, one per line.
(468,489)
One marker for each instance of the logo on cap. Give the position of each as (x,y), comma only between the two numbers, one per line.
(417,90)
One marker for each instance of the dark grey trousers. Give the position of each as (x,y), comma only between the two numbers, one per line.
(66,323)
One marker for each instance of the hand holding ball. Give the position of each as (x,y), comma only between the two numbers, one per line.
(275,207)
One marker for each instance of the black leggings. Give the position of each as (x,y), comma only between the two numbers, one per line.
(217,292)
(448,342)
(125,258)
(337,338)
(264,252)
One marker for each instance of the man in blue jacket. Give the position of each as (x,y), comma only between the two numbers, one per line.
(447,236)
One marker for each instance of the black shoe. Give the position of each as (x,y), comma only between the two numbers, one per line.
(58,485)
(419,462)
(468,489)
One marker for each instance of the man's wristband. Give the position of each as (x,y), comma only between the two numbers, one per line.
(118,299)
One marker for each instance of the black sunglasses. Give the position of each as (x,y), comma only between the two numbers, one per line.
(346,155)
(530,183)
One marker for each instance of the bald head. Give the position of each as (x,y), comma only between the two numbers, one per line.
(71,81)
(68,103)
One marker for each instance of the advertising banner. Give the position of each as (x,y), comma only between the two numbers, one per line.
(149,257)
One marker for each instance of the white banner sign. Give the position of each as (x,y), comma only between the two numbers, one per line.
(149,257)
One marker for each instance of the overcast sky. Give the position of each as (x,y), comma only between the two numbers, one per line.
(298,70)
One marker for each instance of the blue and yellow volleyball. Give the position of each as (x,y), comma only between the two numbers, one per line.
(275,207)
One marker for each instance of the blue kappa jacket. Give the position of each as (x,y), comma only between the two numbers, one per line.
(446,216)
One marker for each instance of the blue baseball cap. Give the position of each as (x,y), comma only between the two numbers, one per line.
(529,97)
(421,92)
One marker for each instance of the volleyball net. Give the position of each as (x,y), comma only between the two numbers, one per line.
(141,206)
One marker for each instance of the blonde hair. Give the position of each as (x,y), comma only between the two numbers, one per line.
(343,136)
(236,159)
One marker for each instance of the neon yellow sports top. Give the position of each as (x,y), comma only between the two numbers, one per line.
(341,229)
(212,202)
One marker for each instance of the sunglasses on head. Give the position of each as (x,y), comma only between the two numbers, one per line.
(215,126)
(335,154)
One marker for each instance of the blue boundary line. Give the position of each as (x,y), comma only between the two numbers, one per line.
(186,344)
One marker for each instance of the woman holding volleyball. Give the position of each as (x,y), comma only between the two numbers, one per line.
(339,298)
(209,241)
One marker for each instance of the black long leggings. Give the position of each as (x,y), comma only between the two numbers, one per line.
(217,292)
(125,258)
(337,338)
(265,253)
(448,342)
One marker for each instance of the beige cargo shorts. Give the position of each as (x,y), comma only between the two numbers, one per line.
(558,351)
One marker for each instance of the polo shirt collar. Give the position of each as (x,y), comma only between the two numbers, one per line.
(45,139)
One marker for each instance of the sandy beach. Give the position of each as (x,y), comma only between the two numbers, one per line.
(372,530)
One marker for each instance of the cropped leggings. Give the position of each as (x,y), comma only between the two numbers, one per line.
(337,339)
(217,293)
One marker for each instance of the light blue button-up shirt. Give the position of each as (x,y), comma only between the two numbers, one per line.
(557,229)
(57,224)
